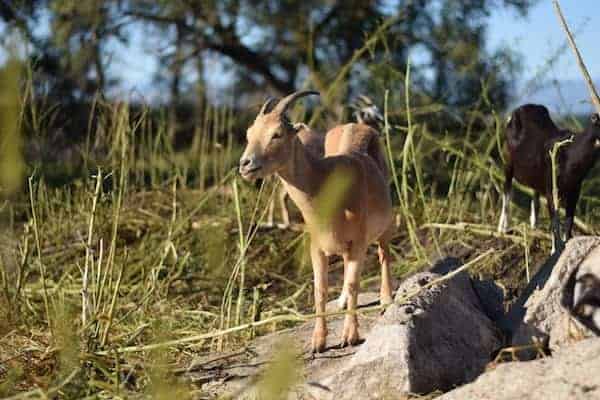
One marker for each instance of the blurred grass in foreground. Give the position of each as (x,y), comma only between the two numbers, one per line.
(12,166)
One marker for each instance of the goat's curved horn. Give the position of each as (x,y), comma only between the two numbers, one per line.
(584,71)
(287,101)
(268,106)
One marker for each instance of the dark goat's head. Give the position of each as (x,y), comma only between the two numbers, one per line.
(593,131)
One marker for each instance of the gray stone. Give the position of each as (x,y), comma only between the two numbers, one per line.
(571,373)
(237,371)
(549,314)
(439,340)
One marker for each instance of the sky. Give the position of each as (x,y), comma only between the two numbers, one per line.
(538,36)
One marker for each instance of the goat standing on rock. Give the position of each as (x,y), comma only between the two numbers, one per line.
(344,199)
(530,135)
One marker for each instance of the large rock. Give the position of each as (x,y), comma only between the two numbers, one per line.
(571,373)
(440,339)
(554,313)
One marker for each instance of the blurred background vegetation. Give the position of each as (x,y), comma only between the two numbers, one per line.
(128,247)
(262,47)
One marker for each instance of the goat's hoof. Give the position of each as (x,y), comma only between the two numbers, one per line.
(318,344)
(350,335)
(341,301)
(386,299)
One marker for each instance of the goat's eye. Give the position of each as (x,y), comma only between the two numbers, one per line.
(595,119)
(277,135)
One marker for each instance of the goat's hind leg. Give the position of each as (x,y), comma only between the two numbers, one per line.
(385,291)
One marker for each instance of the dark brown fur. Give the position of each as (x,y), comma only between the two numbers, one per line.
(530,135)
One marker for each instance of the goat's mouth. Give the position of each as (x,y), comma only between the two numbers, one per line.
(251,173)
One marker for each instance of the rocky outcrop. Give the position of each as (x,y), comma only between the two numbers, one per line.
(555,314)
(415,347)
(570,374)
(438,339)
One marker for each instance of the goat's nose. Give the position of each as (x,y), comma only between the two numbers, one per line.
(244,161)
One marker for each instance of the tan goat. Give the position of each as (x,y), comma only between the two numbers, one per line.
(362,210)
(313,142)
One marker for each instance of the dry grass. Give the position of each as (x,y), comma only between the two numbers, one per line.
(151,257)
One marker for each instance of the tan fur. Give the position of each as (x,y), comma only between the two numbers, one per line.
(363,214)
(314,142)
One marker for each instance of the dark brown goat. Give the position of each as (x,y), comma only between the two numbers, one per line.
(530,135)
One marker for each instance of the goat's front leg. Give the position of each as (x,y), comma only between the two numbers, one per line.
(319,263)
(285,214)
(535,206)
(504,221)
(352,266)
(554,226)
(271,215)
(570,214)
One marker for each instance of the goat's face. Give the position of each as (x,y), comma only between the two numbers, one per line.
(270,139)
(594,130)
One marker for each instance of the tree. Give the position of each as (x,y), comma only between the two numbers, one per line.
(277,45)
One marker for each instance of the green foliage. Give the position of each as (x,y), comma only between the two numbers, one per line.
(12,165)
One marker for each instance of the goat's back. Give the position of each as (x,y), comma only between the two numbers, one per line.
(356,138)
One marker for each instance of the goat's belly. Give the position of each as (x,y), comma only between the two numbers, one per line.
(532,177)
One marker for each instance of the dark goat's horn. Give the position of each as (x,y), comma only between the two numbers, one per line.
(268,106)
(287,101)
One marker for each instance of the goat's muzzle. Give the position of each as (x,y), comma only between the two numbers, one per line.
(250,168)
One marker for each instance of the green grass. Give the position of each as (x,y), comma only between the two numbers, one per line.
(148,256)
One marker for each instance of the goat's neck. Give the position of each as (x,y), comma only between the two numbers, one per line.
(302,176)
(580,158)
(582,155)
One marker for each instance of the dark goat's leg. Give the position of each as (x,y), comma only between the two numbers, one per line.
(506,197)
(570,214)
(557,243)
(535,207)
